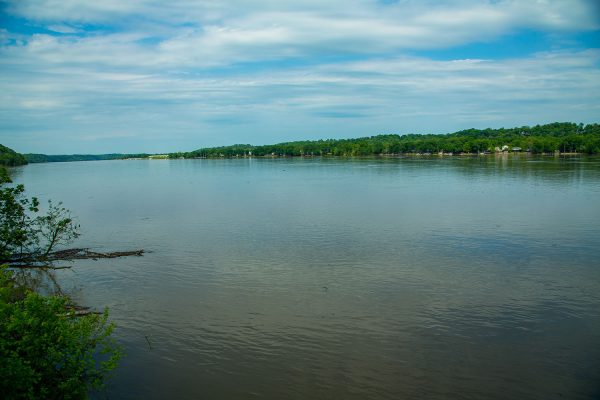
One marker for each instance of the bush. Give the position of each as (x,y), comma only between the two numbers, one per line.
(46,350)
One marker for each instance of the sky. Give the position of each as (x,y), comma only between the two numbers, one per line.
(127,76)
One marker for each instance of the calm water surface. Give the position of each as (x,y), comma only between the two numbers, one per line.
(342,279)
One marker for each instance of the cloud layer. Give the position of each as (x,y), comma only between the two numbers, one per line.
(147,76)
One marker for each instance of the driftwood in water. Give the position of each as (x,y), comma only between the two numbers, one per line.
(84,254)
(32,265)
(68,255)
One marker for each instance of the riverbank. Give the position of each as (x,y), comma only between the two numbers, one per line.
(393,155)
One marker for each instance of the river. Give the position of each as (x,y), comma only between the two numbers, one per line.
(437,278)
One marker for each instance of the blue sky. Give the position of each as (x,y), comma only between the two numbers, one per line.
(158,76)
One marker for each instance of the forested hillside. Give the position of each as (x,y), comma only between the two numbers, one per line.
(10,158)
(563,137)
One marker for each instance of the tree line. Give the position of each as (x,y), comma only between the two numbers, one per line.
(10,158)
(44,158)
(563,137)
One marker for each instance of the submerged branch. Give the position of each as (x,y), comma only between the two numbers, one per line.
(44,266)
(83,254)
(29,261)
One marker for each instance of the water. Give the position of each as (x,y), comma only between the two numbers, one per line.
(460,278)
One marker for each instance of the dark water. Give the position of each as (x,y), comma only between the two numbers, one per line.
(431,278)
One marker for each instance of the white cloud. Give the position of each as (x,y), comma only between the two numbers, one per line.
(220,33)
(63,29)
(571,14)
(171,76)
(73,10)
(392,94)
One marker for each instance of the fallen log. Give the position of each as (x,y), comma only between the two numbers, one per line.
(83,254)
(29,261)
(45,266)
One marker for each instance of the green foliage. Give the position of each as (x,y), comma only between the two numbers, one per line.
(46,351)
(11,158)
(15,223)
(564,137)
(26,235)
(56,227)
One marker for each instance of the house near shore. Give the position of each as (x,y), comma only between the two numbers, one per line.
(516,149)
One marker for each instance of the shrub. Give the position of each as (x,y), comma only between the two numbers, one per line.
(46,350)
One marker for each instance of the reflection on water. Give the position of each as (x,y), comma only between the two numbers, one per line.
(328,278)
(39,280)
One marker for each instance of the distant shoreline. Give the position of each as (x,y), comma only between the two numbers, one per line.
(521,154)
(562,137)
(330,156)
(555,139)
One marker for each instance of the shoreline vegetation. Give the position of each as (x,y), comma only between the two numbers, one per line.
(10,158)
(559,138)
(45,158)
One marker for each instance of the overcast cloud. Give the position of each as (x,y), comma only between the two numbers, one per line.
(155,76)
